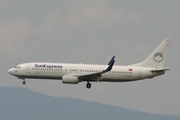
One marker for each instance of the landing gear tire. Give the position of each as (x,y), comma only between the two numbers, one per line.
(88,85)
(24,82)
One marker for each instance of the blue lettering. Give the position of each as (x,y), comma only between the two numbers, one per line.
(47,66)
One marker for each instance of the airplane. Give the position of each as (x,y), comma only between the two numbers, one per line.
(151,67)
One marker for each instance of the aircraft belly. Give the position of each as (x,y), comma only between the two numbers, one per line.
(118,78)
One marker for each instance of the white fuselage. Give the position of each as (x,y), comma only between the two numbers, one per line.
(58,70)
(74,73)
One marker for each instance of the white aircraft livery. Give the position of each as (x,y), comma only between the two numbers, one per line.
(151,67)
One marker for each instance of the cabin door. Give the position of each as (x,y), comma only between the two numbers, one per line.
(28,68)
(139,73)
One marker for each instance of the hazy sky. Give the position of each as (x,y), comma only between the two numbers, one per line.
(92,31)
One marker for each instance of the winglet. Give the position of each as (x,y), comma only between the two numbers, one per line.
(111,63)
(112,59)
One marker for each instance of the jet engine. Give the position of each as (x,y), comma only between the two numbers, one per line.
(70,79)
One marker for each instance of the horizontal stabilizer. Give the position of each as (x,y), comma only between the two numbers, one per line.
(160,70)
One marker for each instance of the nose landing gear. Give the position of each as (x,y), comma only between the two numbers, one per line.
(24,82)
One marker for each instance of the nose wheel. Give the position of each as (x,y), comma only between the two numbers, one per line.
(88,85)
(24,82)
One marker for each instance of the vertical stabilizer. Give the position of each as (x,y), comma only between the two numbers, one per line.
(157,58)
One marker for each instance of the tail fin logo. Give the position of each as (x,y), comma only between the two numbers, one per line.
(158,57)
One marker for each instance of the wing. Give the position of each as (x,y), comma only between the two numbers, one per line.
(97,76)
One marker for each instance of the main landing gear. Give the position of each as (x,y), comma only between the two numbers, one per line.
(88,85)
(24,82)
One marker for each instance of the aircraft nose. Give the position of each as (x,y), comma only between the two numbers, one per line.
(10,71)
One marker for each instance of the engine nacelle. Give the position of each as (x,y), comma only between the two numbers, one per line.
(70,79)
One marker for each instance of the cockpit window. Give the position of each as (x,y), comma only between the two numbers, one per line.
(17,66)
